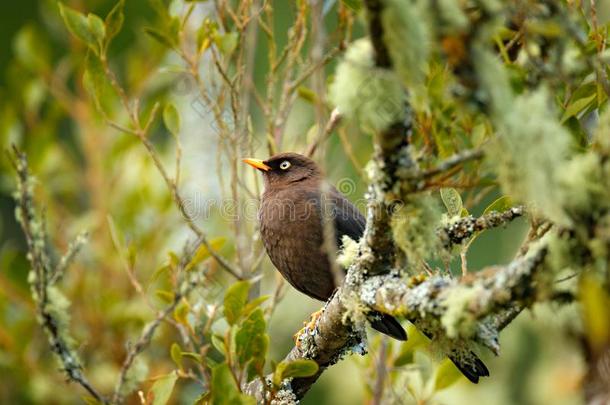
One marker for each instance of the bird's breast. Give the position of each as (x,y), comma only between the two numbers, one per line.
(292,233)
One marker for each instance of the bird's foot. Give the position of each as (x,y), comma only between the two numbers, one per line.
(311,325)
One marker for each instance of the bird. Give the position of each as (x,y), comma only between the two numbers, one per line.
(292,230)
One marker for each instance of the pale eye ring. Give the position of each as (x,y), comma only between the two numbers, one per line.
(284,165)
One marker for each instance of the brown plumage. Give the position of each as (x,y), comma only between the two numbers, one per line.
(292,228)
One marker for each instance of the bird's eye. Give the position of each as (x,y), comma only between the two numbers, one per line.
(284,165)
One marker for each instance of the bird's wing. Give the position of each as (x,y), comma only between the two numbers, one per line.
(348,220)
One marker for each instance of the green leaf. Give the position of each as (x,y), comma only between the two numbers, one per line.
(224,389)
(595,302)
(295,368)
(89,400)
(252,305)
(452,200)
(97,28)
(307,94)
(78,25)
(223,383)
(159,37)
(203,252)
(235,300)
(165,296)
(163,387)
(171,119)
(227,42)
(500,205)
(577,106)
(176,354)
(97,84)
(251,342)
(181,312)
(446,375)
(193,356)
(219,344)
(205,34)
(114,20)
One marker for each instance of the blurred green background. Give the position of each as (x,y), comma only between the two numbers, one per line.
(89,175)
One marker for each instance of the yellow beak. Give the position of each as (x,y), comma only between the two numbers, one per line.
(257,164)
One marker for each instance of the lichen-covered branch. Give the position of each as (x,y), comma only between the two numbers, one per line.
(456,232)
(51,304)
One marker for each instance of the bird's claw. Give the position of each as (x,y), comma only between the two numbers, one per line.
(309,326)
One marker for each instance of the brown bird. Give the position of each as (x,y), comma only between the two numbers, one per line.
(292,230)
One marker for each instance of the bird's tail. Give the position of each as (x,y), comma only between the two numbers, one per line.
(469,364)
(387,325)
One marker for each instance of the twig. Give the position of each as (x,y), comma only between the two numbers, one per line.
(457,232)
(50,305)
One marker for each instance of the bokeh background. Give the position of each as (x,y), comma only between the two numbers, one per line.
(93,177)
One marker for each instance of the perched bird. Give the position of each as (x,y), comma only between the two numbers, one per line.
(292,230)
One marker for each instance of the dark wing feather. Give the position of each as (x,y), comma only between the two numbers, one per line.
(348,220)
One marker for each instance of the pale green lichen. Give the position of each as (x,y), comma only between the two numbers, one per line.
(530,148)
(372,96)
(407,39)
(134,376)
(601,140)
(456,319)
(493,78)
(581,181)
(348,253)
(355,310)
(414,228)
(451,13)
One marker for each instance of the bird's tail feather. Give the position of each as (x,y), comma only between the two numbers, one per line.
(387,325)
(470,365)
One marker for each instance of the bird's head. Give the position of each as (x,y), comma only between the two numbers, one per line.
(285,168)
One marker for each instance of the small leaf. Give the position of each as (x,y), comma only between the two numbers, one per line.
(251,341)
(171,118)
(159,37)
(203,252)
(77,24)
(295,368)
(162,388)
(89,400)
(227,42)
(219,345)
(165,296)
(223,384)
(97,84)
(446,375)
(452,200)
(193,356)
(252,305)
(235,300)
(595,302)
(181,312)
(577,106)
(114,20)
(307,94)
(97,28)
(176,354)
(500,205)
